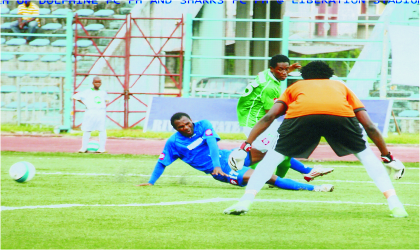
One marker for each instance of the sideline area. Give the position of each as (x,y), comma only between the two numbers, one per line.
(155,147)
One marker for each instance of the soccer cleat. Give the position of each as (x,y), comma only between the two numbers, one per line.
(315,172)
(399,212)
(324,188)
(82,151)
(242,207)
(101,151)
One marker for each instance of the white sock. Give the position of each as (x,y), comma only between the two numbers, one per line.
(85,140)
(262,174)
(102,140)
(376,170)
(394,202)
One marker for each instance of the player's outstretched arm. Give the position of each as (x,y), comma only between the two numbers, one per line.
(293,67)
(376,136)
(277,110)
(214,154)
(372,131)
(218,171)
(77,98)
(237,157)
(157,172)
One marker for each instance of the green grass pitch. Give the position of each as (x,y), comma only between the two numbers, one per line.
(106,210)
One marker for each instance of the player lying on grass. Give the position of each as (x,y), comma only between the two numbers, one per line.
(196,145)
(318,107)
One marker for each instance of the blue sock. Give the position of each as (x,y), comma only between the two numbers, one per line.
(292,185)
(298,166)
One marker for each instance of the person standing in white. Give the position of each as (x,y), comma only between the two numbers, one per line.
(95,101)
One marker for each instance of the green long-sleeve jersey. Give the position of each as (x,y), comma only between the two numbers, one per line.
(259,96)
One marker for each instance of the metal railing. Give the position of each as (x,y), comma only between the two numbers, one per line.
(284,47)
(122,76)
(191,78)
(66,89)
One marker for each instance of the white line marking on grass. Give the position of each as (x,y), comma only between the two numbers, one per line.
(396,182)
(143,175)
(4,208)
(332,202)
(347,166)
(206,176)
(122,205)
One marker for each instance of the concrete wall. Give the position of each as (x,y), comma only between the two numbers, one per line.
(209,47)
(348,12)
(243,29)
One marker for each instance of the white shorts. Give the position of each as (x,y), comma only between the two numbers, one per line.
(94,119)
(268,139)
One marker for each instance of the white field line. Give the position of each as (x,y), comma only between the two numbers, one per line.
(370,182)
(4,208)
(309,164)
(206,176)
(344,166)
(142,175)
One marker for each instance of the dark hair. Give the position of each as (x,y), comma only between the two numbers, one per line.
(317,70)
(178,116)
(278,59)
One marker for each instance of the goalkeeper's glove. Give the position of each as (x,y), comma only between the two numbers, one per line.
(394,167)
(237,157)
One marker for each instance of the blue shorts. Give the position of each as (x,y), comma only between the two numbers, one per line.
(235,177)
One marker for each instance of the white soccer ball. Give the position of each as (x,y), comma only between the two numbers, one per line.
(93,146)
(22,171)
(395,169)
(236,159)
(395,174)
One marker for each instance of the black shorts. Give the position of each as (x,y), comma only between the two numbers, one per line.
(300,136)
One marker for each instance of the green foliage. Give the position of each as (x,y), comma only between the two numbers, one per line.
(105,219)
(341,69)
(229,67)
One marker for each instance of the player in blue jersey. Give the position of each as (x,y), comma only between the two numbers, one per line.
(196,145)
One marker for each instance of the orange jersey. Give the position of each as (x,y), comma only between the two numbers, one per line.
(320,97)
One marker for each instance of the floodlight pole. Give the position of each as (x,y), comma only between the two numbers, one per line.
(285,46)
(384,68)
(187,56)
(68,84)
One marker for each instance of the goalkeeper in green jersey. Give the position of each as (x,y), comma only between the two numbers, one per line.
(258,98)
